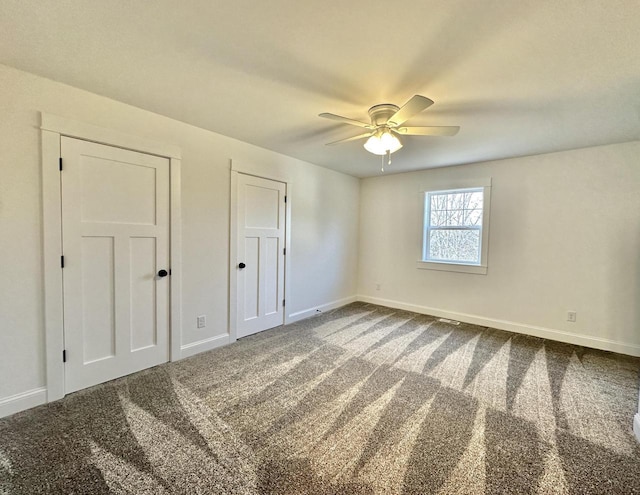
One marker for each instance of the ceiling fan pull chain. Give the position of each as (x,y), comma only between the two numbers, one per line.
(382,163)
(389,156)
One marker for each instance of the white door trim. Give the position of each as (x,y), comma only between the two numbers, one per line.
(237,168)
(53,128)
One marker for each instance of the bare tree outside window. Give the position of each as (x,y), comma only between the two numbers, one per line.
(453,226)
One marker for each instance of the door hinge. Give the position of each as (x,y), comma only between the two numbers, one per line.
(64,356)
(61,261)
(285,199)
(283,303)
(60,163)
(284,251)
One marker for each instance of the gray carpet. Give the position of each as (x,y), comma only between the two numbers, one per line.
(361,400)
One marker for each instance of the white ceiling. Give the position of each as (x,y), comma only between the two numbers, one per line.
(520,77)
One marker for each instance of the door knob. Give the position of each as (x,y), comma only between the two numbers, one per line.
(163,273)
(241,265)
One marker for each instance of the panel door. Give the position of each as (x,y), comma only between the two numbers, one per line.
(115,217)
(260,257)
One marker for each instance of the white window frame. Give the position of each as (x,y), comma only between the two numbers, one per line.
(483,185)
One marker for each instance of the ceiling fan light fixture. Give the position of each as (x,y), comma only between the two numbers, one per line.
(383,142)
(390,141)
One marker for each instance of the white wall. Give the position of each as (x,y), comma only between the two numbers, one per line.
(324,223)
(565,235)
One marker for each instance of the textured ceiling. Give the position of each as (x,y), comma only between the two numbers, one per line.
(520,77)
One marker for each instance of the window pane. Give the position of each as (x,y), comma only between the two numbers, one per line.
(455,245)
(442,218)
(438,202)
(456,209)
(455,201)
(473,217)
(473,200)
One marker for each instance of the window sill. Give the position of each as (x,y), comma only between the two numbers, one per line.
(451,267)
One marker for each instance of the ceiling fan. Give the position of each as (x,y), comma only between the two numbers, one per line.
(386,126)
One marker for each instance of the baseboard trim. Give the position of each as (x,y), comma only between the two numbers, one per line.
(301,315)
(204,345)
(22,401)
(545,333)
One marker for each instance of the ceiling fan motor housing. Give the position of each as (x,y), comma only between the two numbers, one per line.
(380,114)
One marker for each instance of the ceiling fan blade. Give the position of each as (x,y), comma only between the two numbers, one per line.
(447,130)
(345,120)
(415,105)
(359,136)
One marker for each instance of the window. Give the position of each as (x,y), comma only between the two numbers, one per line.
(455,232)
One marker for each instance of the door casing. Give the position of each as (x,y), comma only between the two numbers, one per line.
(53,128)
(248,169)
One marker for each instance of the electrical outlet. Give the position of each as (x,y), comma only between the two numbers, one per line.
(571,316)
(378,286)
(202,321)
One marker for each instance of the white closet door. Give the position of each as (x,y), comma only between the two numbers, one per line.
(115,217)
(260,257)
